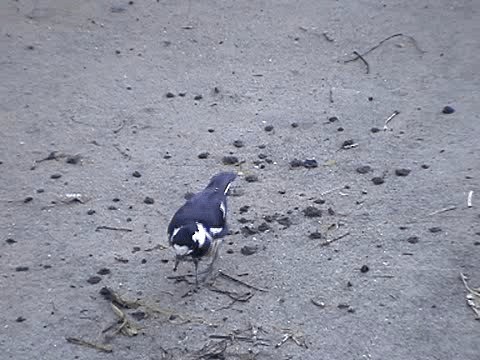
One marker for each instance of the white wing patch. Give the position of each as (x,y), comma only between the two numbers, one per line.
(222,209)
(216,231)
(227,188)
(181,250)
(175,231)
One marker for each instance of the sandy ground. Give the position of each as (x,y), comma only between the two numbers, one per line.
(88,80)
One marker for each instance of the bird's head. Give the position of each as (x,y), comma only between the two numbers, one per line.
(190,240)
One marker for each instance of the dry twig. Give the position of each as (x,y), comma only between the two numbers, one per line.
(90,344)
(448,208)
(238,281)
(395,113)
(469,198)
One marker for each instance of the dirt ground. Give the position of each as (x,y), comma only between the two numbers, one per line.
(105,109)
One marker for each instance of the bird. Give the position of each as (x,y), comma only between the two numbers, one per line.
(197,227)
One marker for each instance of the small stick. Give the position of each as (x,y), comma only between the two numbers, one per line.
(395,113)
(330,96)
(363,60)
(122,125)
(105,227)
(469,198)
(100,347)
(448,208)
(328,242)
(229,277)
(331,190)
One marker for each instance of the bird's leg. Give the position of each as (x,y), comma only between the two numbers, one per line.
(210,266)
(195,262)
(177,261)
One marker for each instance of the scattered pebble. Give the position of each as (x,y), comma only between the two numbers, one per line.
(188,195)
(170,95)
(251,178)
(402,172)
(112,207)
(211,130)
(332,119)
(435,229)
(73,159)
(425,166)
(91,212)
(55,176)
(448,110)
(315,235)
(27,199)
(364,269)
(248,231)
(20,319)
(319,201)
(294,125)
(238,143)
(340,129)
(244,209)
(230,160)
(94,279)
(413,239)
(374,130)
(268,128)
(310,163)
(378,180)
(39,191)
(347,143)
(182,94)
(198,97)
(136,174)
(167,156)
(22,268)
(312,211)
(263,227)
(262,156)
(139,314)
(136,249)
(144,261)
(103,271)
(285,221)
(10,241)
(148,200)
(117,9)
(204,155)
(364,169)
(248,250)
(330,211)
(295,163)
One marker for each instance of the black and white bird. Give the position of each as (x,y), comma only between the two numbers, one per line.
(196,229)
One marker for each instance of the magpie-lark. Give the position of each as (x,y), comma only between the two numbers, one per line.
(196,229)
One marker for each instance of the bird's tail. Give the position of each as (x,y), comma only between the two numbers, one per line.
(221,181)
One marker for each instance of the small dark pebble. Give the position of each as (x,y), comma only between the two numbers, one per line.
(73,159)
(167,156)
(476,243)
(435,229)
(315,235)
(10,241)
(343,306)
(117,9)
(370,98)
(295,163)
(251,178)
(312,211)
(413,239)
(136,249)
(148,200)
(138,315)
(374,130)
(330,211)
(262,146)
(448,110)
(144,261)
(310,163)
(118,52)
(248,250)
(364,169)
(30,47)
(349,284)
(211,130)
(364,268)
(294,125)
(112,207)
(230,160)
(248,231)
(340,129)
(347,143)
(128,88)
(182,94)
(262,156)
(425,166)
(268,128)
(332,119)
(198,97)
(263,227)
(55,176)
(285,221)
(188,195)
(27,199)
(130,2)
(216,90)
(170,95)
(94,279)
(378,180)
(128,219)
(103,271)
(22,268)
(319,201)
(20,319)
(238,143)
(115,199)
(244,209)
(136,174)
(91,212)
(204,155)
(46,267)
(351,310)
(39,191)
(230,251)
(242,220)
(402,172)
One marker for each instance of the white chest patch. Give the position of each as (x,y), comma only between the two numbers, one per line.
(216,231)
(200,235)
(181,250)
